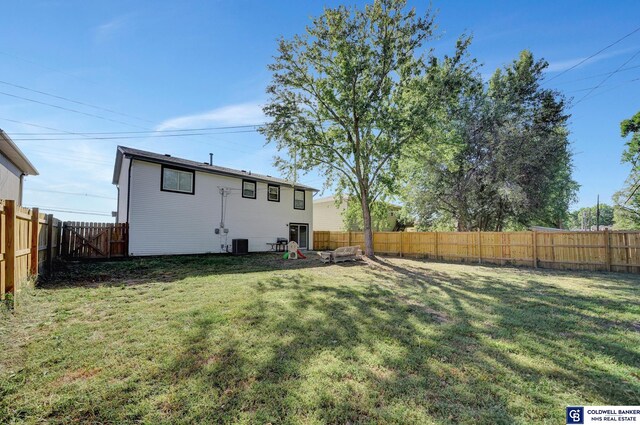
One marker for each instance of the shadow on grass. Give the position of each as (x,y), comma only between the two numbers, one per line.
(397,361)
(141,270)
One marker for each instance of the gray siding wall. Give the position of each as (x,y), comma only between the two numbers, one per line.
(9,180)
(123,187)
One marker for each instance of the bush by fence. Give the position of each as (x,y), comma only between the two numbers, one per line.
(29,241)
(597,251)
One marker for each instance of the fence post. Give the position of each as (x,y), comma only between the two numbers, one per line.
(63,240)
(49,258)
(479,247)
(607,249)
(436,244)
(401,233)
(10,244)
(534,243)
(349,238)
(33,264)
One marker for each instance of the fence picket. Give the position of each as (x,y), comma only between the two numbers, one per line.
(598,251)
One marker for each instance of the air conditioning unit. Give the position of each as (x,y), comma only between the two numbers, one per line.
(239,246)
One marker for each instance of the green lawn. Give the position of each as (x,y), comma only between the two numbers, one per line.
(210,339)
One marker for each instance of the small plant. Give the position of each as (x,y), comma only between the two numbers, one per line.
(8,301)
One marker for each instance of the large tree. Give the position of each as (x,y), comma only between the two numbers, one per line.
(501,157)
(352,92)
(627,200)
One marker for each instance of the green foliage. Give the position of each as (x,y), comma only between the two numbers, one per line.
(384,216)
(352,92)
(499,156)
(627,200)
(627,204)
(631,127)
(575,220)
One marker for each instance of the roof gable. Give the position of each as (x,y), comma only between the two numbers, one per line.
(9,149)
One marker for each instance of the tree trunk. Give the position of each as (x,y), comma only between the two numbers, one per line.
(366,220)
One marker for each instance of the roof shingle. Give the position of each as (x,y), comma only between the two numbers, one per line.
(204,167)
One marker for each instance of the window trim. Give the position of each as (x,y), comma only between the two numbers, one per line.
(304,199)
(269,186)
(184,170)
(255,188)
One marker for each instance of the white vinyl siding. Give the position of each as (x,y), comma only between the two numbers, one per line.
(9,180)
(166,223)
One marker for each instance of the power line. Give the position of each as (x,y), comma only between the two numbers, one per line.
(73,101)
(231,127)
(57,209)
(597,75)
(607,77)
(70,193)
(611,89)
(136,137)
(48,67)
(593,55)
(68,109)
(39,126)
(606,85)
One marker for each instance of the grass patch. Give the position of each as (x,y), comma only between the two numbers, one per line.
(211,339)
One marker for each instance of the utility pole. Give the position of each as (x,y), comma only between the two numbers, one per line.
(598,214)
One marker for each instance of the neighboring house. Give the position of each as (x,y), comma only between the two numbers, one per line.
(328,216)
(178,206)
(14,165)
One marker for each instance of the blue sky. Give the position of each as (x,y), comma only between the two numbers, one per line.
(174,64)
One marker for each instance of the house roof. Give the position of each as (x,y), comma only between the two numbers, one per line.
(9,149)
(166,159)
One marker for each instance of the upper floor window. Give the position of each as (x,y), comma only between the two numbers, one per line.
(249,189)
(298,199)
(273,193)
(177,180)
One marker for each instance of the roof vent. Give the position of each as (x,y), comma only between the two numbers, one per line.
(166,154)
(244,171)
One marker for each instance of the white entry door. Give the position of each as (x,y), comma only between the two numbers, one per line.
(299,233)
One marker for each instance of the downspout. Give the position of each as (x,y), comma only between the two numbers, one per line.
(21,187)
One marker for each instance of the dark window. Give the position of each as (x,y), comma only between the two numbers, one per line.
(298,199)
(273,193)
(177,180)
(249,189)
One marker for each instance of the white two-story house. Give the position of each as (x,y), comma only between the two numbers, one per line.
(178,206)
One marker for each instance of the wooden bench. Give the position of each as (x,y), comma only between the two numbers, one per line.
(344,253)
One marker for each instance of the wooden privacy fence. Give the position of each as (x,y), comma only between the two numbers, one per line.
(29,241)
(94,240)
(606,251)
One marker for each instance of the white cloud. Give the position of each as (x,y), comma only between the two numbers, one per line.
(109,29)
(239,114)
